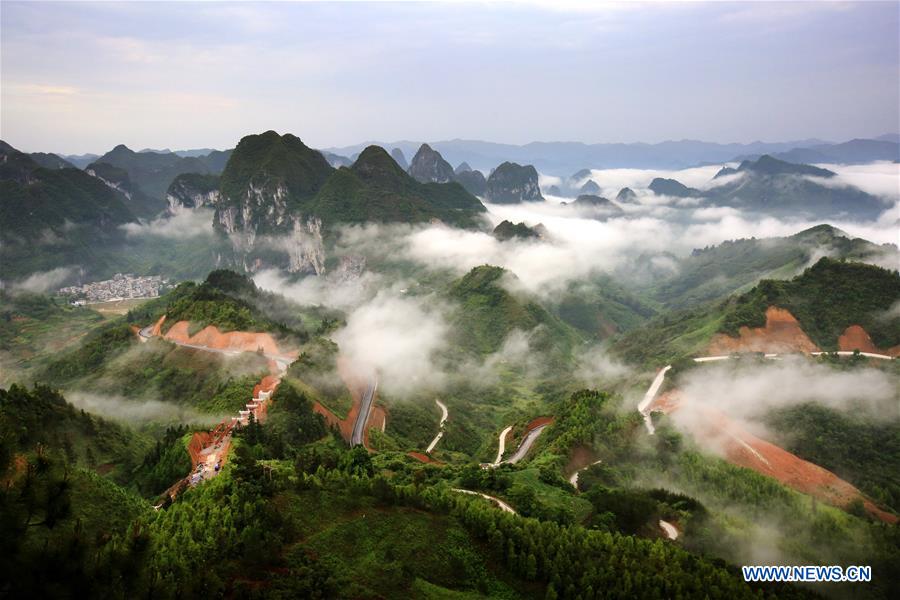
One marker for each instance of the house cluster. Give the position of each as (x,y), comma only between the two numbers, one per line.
(120,287)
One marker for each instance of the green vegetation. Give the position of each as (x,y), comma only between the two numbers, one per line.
(826,299)
(711,273)
(863,451)
(34,328)
(507,230)
(375,188)
(489,313)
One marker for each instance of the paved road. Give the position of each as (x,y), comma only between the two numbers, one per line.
(502,447)
(357,436)
(526,444)
(440,434)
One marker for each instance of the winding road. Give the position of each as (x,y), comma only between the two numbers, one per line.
(440,433)
(526,444)
(357,436)
(502,447)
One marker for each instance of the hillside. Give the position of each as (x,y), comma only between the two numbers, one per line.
(152,172)
(376,189)
(72,213)
(779,188)
(489,312)
(825,299)
(713,272)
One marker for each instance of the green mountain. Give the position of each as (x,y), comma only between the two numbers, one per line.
(51,161)
(508,230)
(150,172)
(68,212)
(375,188)
(138,202)
(826,299)
(717,271)
(489,312)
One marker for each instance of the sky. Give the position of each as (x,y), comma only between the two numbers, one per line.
(83,77)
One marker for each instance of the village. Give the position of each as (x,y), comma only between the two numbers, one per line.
(121,286)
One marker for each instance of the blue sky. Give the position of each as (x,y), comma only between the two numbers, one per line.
(84,77)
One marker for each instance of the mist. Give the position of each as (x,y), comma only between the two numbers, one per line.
(185,223)
(137,411)
(44,281)
(398,338)
(748,392)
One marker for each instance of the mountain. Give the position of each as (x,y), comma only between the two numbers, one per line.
(511,183)
(397,155)
(508,230)
(563,158)
(717,271)
(781,188)
(193,190)
(671,187)
(267,183)
(150,172)
(67,211)
(768,166)
(831,305)
(118,179)
(463,167)
(428,166)
(590,188)
(51,161)
(489,312)
(80,160)
(216,160)
(626,195)
(473,181)
(857,151)
(336,160)
(375,188)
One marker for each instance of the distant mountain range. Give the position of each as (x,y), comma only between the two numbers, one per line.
(563,158)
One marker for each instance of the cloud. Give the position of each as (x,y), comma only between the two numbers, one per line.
(397,337)
(44,281)
(749,392)
(880,178)
(343,294)
(123,409)
(184,224)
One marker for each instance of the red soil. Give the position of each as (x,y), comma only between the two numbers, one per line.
(856,338)
(199,441)
(211,337)
(718,432)
(782,334)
